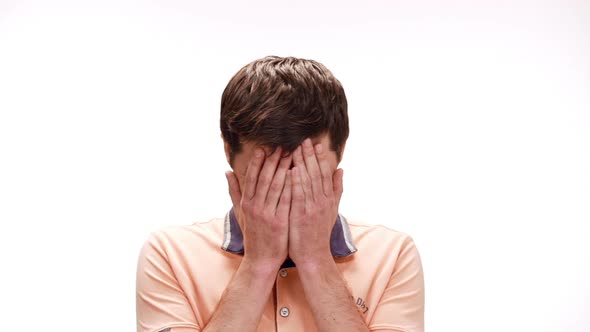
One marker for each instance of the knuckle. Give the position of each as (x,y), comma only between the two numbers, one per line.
(285,197)
(246,204)
(323,203)
(276,186)
(277,226)
(251,178)
(298,195)
(264,179)
(255,209)
(257,160)
(267,217)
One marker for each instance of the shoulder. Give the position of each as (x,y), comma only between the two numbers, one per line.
(375,232)
(382,245)
(200,228)
(181,238)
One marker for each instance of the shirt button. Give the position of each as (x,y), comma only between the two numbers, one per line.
(283,273)
(285,312)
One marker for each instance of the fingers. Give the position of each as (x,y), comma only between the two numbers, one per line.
(325,170)
(313,168)
(278,185)
(266,175)
(297,194)
(298,157)
(284,206)
(234,188)
(252,173)
(266,178)
(305,181)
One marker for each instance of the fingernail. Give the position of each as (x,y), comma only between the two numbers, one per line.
(318,148)
(307,141)
(258,153)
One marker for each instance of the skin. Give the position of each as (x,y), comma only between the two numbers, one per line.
(242,159)
(286,206)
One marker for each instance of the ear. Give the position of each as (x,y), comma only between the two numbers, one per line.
(227,149)
(342,152)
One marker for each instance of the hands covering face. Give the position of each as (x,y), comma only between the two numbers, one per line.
(287,212)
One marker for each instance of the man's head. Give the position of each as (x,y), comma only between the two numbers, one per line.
(278,102)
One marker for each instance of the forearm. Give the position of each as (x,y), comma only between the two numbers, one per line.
(329,298)
(243,301)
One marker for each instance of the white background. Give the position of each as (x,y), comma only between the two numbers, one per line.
(470,130)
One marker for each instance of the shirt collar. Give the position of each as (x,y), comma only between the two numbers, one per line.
(341,243)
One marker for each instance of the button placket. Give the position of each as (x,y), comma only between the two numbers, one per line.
(284,312)
(282,302)
(283,273)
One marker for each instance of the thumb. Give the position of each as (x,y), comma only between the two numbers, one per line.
(234,188)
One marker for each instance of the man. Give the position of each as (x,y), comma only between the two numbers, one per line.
(282,259)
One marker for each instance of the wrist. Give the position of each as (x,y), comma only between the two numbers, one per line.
(260,269)
(315,264)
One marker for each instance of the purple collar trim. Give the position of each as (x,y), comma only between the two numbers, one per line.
(341,243)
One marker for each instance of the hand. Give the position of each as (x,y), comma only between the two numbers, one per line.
(316,190)
(262,208)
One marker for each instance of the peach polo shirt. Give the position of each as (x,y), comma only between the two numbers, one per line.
(183,272)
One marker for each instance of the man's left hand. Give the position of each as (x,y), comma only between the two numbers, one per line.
(315,194)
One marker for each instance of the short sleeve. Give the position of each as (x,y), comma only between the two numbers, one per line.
(161,305)
(401,308)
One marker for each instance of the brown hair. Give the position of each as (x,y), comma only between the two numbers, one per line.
(277,101)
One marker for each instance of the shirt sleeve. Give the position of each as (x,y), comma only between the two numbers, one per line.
(401,307)
(161,305)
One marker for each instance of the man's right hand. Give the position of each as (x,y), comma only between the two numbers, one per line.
(262,208)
